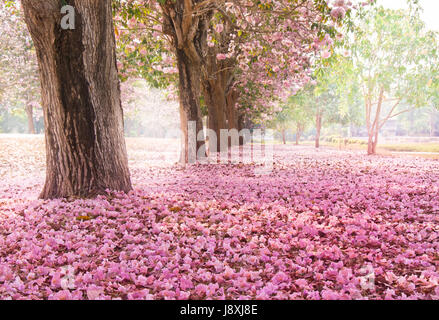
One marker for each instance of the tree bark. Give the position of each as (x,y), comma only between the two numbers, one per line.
(188,31)
(318,128)
(241,126)
(231,99)
(216,103)
(30,119)
(85,145)
(373,128)
(189,85)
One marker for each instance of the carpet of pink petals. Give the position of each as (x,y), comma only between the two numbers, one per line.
(323,225)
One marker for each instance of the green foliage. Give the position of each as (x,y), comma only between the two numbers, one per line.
(141,53)
(297,112)
(392,51)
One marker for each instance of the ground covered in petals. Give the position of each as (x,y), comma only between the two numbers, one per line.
(323,225)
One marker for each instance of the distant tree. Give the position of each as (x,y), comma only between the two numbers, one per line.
(19,80)
(296,114)
(394,62)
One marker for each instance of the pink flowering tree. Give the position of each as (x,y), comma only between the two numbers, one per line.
(220,47)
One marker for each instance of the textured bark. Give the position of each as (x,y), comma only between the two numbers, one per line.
(30,119)
(189,86)
(85,146)
(241,126)
(187,28)
(216,103)
(231,100)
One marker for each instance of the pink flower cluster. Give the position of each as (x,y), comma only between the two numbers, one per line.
(322,225)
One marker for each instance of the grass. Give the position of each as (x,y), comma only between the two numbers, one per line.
(431,150)
(411,147)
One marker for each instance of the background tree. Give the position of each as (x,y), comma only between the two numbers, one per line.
(391,63)
(295,114)
(215,42)
(19,79)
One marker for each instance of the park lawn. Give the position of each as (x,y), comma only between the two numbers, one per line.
(412,147)
(425,150)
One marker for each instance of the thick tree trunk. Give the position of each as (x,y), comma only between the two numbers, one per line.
(318,128)
(216,103)
(231,99)
(189,39)
(85,145)
(190,86)
(30,119)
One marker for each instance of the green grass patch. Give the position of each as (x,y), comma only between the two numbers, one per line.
(411,147)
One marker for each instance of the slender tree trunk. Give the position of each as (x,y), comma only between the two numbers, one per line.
(300,128)
(373,128)
(85,145)
(284,139)
(30,119)
(241,126)
(375,142)
(190,86)
(318,128)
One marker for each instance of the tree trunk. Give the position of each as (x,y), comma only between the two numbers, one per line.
(85,145)
(216,103)
(190,86)
(284,140)
(231,100)
(241,126)
(299,130)
(373,128)
(372,143)
(232,120)
(318,128)
(30,119)
(189,40)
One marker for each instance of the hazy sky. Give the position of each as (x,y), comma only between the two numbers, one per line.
(430,14)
